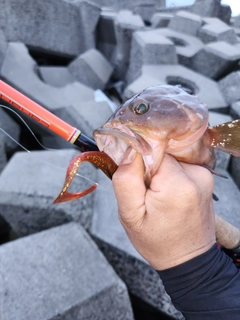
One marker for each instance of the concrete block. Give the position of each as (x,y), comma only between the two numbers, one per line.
(55,76)
(3,156)
(206,89)
(161,20)
(235,110)
(237,32)
(207,8)
(35,180)
(140,278)
(236,21)
(235,170)
(106,38)
(126,4)
(100,96)
(91,115)
(216,30)
(174,9)
(216,59)
(7,145)
(228,205)
(222,158)
(145,10)
(149,47)
(89,17)
(186,22)
(19,70)
(225,13)
(186,46)
(126,23)
(3,47)
(51,141)
(91,69)
(47,25)
(230,86)
(59,274)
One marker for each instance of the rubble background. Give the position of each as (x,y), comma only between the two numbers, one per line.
(79,60)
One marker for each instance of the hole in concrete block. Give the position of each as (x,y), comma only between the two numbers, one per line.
(173,80)
(45,58)
(178,42)
(4,231)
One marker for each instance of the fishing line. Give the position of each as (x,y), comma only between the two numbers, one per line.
(24,122)
(48,149)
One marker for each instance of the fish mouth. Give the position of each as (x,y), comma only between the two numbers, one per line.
(121,141)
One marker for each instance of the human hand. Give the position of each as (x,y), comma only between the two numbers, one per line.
(172,221)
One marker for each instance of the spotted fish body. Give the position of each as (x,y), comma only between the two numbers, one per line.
(166,119)
(158,120)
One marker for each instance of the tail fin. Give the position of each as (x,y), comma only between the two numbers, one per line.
(226,137)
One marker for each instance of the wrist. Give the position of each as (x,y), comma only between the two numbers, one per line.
(177,257)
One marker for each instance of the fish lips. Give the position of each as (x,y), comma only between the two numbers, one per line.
(117,141)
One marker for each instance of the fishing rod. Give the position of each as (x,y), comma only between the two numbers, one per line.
(46,118)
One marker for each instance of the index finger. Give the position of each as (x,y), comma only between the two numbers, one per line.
(130,190)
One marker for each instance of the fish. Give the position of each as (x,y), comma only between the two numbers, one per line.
(158,120)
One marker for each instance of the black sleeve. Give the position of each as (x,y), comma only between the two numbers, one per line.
(206,287)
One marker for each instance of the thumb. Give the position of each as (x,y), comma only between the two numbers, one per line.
(130,190)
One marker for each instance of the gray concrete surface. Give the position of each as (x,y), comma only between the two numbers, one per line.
(12,128)
(206,89)
(228,205)
(216,30)
(91,68)
(216,59)
(19,70)
(126,23)
(206,8)
(59,274)
(48,24)
(186,45)
(35,180)
(161,20)
(186,22)
(55,76)
(229,87)
(3,47)
(106,42)
(149,47)
(126,4)
(234,170)
(235,110)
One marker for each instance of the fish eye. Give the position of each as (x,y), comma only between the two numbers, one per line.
(141,108)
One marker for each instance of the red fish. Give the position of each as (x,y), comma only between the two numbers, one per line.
(160,119)
(166,119)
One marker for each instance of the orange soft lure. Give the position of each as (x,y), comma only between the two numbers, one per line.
(100,159)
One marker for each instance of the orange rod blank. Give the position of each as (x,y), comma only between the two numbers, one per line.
(38,113)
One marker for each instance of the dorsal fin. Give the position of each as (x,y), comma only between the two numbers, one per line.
(226,137)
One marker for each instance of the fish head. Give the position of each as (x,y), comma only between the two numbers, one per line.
(159,119)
